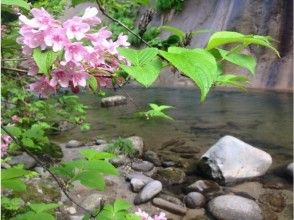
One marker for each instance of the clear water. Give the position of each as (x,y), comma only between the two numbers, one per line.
(263,119)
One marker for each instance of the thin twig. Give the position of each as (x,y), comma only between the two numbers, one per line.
(14,69)
(102,9)
(15,59)
(57,180)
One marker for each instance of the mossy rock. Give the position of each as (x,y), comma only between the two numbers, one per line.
(170,176)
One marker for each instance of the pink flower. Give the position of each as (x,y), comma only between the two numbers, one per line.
(42,87)
(143,215)
(31,65)
(5,141)
(161,216)
(74,52)
(15,119)
(56,39)
(76,28)
(61,77)
(32,38)
(101,35)
(90,17)
(104,81)
(79,78)
(94,56)
(122,40)
(43,18)
(31,23)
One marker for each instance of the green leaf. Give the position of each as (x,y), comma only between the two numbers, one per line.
(181,34)
(93,83)
(28,142)
(19,3)
(91,179)
(14,184)
(44,59)
(15,131)
(146,73)
(245,61)
(121,204)
(139,57)
(12,173)
(76,2)
(43,207)
(92,154)
(197,64)
(226,37)
(34,216)
(11,203)
(232,80)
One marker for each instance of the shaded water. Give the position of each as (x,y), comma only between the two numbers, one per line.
(263,119)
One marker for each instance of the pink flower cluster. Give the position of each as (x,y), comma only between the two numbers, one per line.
(145,216)
(84,49)
(5,141)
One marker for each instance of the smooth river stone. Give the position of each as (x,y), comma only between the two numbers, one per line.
(148,192)
(169,206)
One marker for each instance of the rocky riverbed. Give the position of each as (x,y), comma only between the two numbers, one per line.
(231,180)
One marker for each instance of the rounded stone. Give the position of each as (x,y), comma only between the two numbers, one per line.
(24,159)
(289,169)
(169,206)
(194,200)
(137,184)
(152,157)
(113,101)
(204,186)
(143,166)
(148,192)
(170,175)
(231,207)
(73,144)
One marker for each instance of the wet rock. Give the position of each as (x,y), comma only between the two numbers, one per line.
(169,156)
(274,200)
(253,189)
(24,159)
(172,199)
(152,157)
(92,201)
(73,144)
(231,160)
(113,101)
(169,206)
(100,141)
(138,144)
(143,166)
(194,200)
(274,182)
(289,170)
(195,214)
(168,164)
(231,207)
(204,186)
(172,142)
(144,178)
(137,184)
(120,160)
(170,175)
(71,210)
(148,192)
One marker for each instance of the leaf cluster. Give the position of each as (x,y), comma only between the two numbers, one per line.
(156,111)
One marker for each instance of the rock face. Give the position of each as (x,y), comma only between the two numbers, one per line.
(231,207)
(231,160)
(148,192)
(194,200)
(169,206)
(113,101)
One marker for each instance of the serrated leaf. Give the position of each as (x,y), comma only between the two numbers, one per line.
(226,37)
(44,59)
(12,173)
(14,184)
(197,64)
(121,204)
(34,216)
(28,142)
(232,80)
(15,131)
(138,57)
(19,3)
(91,179)
(43,207)
(145,74)
(245,61)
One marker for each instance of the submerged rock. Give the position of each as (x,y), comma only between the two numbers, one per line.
(24,159)
(231,207)
(170,175)
(276,201)
(73,144)
(204,186)
(113,101)
(148,192)
(169,206)
(231,160)
(152,157)
(194,200)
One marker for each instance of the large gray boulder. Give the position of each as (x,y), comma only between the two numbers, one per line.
(231,207)
(231,160)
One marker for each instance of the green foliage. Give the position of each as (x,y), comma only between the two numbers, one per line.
(121,146)
(88,171)
(55,7)
(44,59)
(38,211)
(20,3)
(227,37)
(11,178)
(174,30)
(156,112)
(166,5)
(197,64)
(117,211)
(93,83)
(232,80)
(145,64)
(11,207)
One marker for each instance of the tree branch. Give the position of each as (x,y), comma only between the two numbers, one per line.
(57,180)
(14,69)
(102,9)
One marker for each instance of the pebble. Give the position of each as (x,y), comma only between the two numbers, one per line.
(194,200)
(148,192)
(73,144)
(143,166)
(137,184)
(169,206)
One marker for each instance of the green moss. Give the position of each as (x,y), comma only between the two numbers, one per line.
(121,146)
